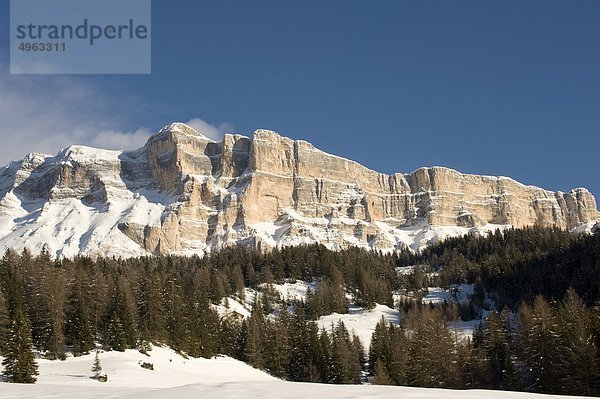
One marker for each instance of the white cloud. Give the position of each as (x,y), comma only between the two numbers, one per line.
(45,114)
(118,140)
(212,132)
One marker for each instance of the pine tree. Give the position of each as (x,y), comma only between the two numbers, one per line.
(380,350)
(256,335)
(578,355)
(78,331)
(538,334)
(150,307)
(431,353)
(4,324)
(19,364)
(381,375)
(177,322)
(398,363)
(497,347)
(277,350)
(206,326)
(120,333)
(237,282)
(229,335)
(304,350)
(97,367)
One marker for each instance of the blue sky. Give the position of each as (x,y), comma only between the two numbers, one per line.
(493,87)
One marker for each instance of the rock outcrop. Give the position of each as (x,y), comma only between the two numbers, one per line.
(184,193)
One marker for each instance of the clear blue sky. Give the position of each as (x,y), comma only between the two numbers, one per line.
(493,87)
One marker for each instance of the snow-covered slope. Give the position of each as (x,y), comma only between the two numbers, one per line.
(361,322)
(185,194)
(219,378)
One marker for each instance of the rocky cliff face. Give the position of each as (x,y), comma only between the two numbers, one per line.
(183,193)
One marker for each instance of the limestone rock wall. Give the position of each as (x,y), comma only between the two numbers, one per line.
(200,195)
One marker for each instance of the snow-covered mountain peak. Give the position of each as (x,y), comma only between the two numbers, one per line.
(180,128)
(185,194)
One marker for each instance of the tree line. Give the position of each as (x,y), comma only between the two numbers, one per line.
(546,347)
(57,306)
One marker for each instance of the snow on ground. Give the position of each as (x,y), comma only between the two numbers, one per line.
(234,304)
(294,291)
(361,321)
(219,378)
(327,231)
(464,329)
(405,269)
(456,294)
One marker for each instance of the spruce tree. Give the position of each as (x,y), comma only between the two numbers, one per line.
(578,355)
(431,352)
(539,333)
(381,375)
(97,369)
(256,336)
(19,364)
(120,333)
(97,366)
(277,347)
(177,322)
(4,324)
(497,347)
(150,306)
(78,330)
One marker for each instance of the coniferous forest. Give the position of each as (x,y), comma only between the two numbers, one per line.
(537,289)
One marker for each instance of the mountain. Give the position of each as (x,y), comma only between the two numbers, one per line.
(183,193)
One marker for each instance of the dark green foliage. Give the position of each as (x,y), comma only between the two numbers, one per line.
(578,351)
(4,324)
(430,352)
(151,315)
(304,354)
(518,264)
(494,340)
(19,362)
(344,357)
(205,329)
(177,316)
(256,337)
(326,299)
(78,329)
(120,333)
(548,346)
(97,366)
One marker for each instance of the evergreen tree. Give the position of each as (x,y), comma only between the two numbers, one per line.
(431,353)
(97,366)
(380,350)
(19,364)
(277,346)
(4,324)
(497,347)
(303,364)
(120,333)
(78,330)
(206,328)
(177,321)
(150,307)
(578,355)
(256,336)
(539,344)
(381,375)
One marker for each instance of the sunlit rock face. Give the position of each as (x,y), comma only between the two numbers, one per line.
(183,193)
